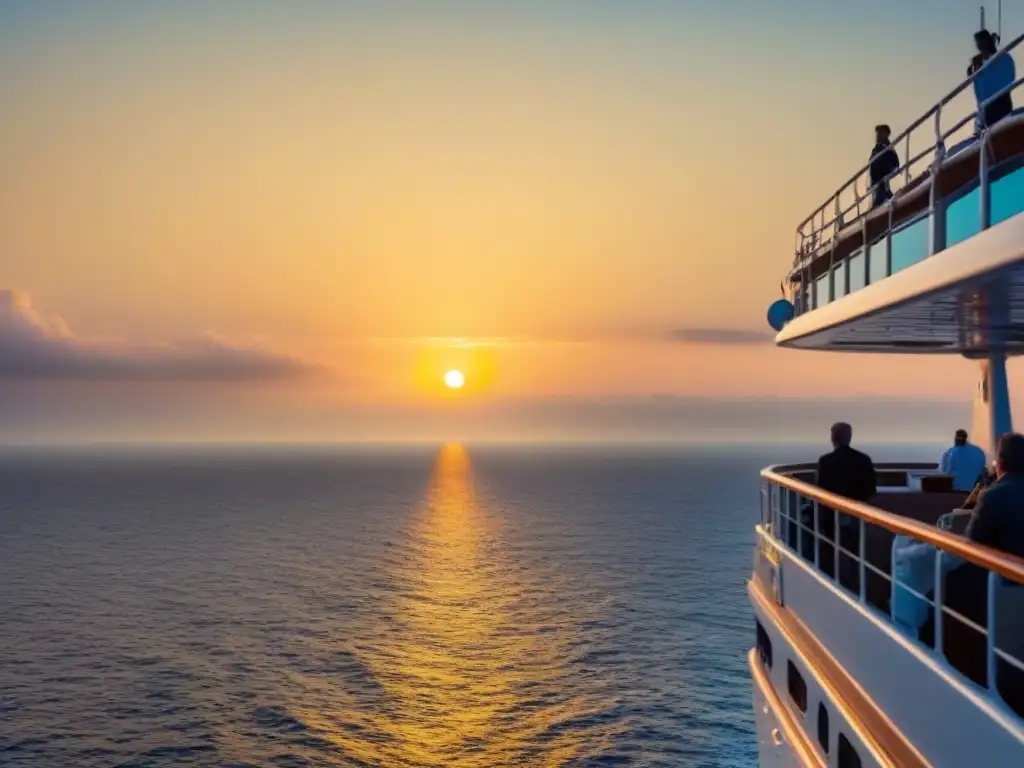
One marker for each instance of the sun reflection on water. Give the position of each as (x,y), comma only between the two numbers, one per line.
(465,676)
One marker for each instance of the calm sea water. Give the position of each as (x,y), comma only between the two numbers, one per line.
(445,607)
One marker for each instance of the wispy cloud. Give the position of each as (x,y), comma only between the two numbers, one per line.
(709,336)
(42,348)
(720,336)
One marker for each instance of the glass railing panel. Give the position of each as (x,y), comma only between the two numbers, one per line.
(855,266)
(821,296)
(910,245)
(1007,196)
(839,279)
(878,255)
(963,218)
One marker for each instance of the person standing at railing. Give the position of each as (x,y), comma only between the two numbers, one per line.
(998,74)
(848,473)
(964,461)
(884,163)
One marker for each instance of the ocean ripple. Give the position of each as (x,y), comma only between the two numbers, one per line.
(465,608)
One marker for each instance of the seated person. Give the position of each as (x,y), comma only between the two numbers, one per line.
(998,518)
(997,522)
(964,461)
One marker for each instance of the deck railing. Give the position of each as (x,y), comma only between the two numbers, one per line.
(816,234)
(831,533)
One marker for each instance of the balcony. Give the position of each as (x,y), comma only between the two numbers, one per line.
(955,181)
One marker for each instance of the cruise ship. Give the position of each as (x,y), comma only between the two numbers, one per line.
(861,655)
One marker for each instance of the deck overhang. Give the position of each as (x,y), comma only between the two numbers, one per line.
(968,299)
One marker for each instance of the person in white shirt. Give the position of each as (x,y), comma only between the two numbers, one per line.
(965,462)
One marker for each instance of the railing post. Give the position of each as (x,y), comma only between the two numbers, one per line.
(862,581)
(984,196)
(992,582)
(938,592)
(888,241)
(831,271)
(906,170)
(936,205)
(817,536)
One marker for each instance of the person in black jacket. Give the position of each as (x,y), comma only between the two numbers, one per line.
(846,471)
(884,162)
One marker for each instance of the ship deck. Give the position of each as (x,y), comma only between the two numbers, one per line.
(959,301)
(939,268)
(861,596)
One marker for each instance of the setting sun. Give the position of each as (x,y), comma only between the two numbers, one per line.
(454,379)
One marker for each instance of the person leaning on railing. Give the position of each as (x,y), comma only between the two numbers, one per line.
(846,472)
(997,75)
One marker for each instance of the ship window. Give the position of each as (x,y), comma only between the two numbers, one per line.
(797,686)
(848,757)
(823,726)
(764,646)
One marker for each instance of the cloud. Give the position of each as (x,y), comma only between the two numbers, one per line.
(39,348)
(720,336)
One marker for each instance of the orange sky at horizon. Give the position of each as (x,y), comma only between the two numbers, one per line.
(537,202)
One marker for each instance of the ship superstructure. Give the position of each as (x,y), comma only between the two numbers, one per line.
(861,658)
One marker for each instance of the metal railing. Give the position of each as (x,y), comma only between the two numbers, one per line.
(832,533)
(816,235)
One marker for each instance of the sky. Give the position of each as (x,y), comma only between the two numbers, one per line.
(285,221)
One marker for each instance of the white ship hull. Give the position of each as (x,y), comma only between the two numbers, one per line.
(773,750)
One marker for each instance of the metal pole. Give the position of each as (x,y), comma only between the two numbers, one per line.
(863,571)
(937,230)
(984,196)
(939,599)
(991,649)
(906,171)
(888,243)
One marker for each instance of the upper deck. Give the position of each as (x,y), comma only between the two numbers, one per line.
(913,274)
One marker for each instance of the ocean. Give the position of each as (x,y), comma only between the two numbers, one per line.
(456,606)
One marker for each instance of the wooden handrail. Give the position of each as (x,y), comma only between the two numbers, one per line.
(1009,566)
(884,466)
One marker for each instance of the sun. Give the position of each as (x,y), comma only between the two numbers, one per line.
(454,379)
